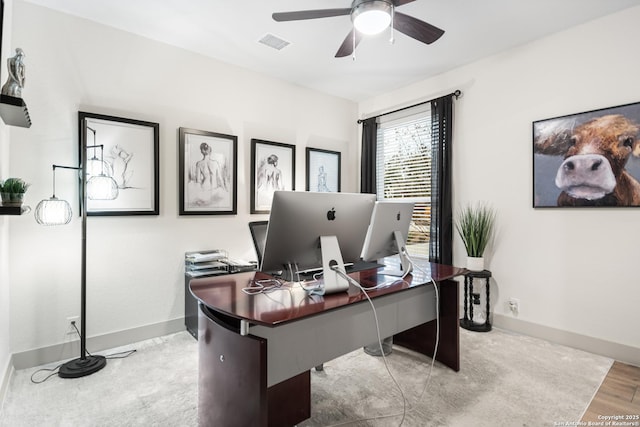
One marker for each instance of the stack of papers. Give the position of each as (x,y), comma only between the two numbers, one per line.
(206,263)
(195,257)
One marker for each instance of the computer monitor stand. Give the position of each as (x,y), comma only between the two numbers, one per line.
(405,263)
(331,259)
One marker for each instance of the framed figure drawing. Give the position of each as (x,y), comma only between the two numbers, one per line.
(589,159)
(323,170)
(126,150)
(208,172)
(272,168)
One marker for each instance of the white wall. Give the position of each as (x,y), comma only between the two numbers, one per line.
(135,271)
(572,269)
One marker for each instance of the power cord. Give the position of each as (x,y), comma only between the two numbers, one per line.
(435,351)
(437,343)
(263,286)
(54,371)
(375,316)
(109,356)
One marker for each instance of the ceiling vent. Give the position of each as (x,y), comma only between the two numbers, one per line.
(274,42)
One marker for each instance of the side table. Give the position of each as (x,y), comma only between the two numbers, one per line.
(471,298)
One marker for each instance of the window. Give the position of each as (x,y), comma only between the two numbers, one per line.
(403,168)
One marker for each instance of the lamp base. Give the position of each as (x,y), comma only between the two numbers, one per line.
(77,368)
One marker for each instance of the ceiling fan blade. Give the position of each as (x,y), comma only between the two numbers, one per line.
(397,3)
(309,14)
(415,28)
(346,48)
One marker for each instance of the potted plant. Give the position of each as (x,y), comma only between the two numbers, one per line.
(12,191)
(475,225)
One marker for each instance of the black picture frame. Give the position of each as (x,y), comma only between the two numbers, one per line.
(273,167)
(323,170)
(208,172)
(588,159)
(130,149)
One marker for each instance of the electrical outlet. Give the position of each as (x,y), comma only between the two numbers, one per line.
(514,305)
(71,321)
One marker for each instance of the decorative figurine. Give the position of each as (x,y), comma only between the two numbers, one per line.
(15,82)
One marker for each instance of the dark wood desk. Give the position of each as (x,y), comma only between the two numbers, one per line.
(255,351)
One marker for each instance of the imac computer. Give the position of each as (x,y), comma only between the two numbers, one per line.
(387,234)
(309,230)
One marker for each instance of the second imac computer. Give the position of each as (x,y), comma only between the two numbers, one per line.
(387,234)
(323,231)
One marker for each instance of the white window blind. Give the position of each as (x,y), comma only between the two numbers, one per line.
(403,168)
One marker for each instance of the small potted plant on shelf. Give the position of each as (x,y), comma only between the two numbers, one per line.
(12,191)
(475,225)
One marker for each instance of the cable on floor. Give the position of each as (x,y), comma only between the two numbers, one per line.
(375,316)
(435,351)
(54,371)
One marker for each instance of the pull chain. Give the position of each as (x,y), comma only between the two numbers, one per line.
(353,53)
(392,40)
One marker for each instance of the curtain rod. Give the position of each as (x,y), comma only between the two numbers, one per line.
(457,94)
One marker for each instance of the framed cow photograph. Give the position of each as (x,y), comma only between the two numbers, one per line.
(589,159)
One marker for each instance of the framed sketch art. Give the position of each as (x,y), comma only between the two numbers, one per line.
(588,159)
(208,171)
(127,151)
(272,168)
(323,170)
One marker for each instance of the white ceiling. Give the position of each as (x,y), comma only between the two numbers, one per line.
(229,31)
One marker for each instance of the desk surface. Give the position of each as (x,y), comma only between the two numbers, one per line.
(224,293)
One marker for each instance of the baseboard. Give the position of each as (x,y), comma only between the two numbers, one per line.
(616,351)
(4,384)
(70,350)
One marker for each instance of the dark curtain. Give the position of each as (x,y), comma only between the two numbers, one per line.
(441,239)
(368,160)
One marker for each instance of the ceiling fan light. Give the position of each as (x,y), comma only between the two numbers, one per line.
(372,17)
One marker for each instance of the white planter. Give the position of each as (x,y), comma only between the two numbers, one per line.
(475,263)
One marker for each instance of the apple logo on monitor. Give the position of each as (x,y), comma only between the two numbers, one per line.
(331,215)
(398,216)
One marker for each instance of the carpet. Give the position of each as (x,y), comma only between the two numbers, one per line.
(505,380)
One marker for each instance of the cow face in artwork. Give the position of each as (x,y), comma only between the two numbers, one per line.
(595,155)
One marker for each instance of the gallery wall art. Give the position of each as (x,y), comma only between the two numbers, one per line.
(272,168)
(127,150)
(208,171)
(589,159)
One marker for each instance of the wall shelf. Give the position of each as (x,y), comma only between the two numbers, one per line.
(14,210)
(14,111)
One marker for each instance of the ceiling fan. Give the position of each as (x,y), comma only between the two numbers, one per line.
(370,17)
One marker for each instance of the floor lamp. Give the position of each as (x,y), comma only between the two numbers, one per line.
(54,211)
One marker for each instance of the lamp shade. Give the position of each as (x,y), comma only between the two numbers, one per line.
(372,17)
(102,187)
(53,211)
(96,167)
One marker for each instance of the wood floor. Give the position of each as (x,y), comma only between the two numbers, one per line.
(618,396)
